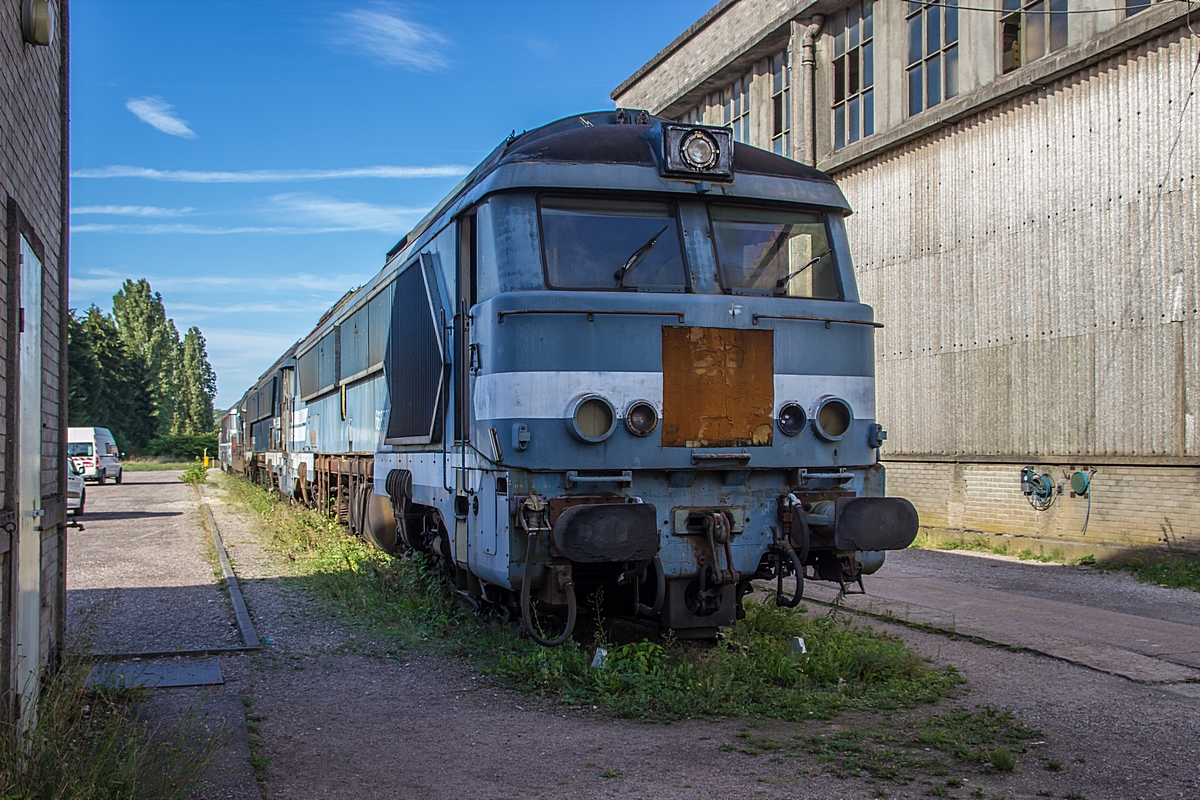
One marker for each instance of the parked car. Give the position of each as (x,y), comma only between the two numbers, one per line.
(76,493)
(94,453)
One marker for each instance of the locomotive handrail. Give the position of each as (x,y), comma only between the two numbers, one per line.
(591,314)
(754,318)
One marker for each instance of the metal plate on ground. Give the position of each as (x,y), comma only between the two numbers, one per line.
(156,676)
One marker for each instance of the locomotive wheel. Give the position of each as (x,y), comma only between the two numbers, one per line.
(379,523)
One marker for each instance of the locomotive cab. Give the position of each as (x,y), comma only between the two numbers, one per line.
(661,379)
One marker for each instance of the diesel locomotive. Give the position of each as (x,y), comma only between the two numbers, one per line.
(623,354)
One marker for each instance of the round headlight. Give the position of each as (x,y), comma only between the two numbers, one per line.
(791,418)
(592,418)
(699,150)
(833,418)
(641,418)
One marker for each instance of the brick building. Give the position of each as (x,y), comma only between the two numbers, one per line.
(33,309)
(1023,174)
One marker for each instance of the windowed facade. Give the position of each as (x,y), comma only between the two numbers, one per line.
(1032,29)
(854,74)
(781,104)
(932,54)
(736,99)
(693,117)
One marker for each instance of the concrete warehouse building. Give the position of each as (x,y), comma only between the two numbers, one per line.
(33,345)
(1023,174)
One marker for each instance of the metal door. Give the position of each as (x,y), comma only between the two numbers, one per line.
(27,654)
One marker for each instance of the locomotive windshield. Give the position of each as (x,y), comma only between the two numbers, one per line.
(782,253)
(605,244)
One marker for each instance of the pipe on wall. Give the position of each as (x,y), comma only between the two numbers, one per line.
(805,118)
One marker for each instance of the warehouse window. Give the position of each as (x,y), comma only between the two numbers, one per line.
(854,74)
(1134,6)
(737,108)
(693,117)
(932,54)
(781,106)
(1030,30)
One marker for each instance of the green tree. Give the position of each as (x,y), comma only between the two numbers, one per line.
(197,385)
(152,338)
(107,386)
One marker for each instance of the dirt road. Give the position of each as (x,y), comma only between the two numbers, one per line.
(340,717)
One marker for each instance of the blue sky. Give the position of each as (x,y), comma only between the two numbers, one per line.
(254,160)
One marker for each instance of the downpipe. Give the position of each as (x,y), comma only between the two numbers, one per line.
(808,84)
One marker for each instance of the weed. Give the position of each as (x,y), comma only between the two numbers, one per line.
(955,783)
(610,773)
(1073,795)
(1053,765)
(99,744)
(973,736)
(747,673)
(1002,759)
(978,792)
(258,760)
(195,474)
(937,791)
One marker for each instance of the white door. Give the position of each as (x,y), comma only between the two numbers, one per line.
(29,488)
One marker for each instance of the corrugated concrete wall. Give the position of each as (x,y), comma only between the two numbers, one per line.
(1036,267)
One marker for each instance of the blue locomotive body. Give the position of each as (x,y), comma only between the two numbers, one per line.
(622,354)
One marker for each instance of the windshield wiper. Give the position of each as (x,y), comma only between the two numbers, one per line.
(619,275)
(779,284)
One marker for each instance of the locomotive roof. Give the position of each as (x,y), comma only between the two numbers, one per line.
(606,139)
(597,138)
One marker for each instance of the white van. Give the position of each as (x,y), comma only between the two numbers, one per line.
(94,453)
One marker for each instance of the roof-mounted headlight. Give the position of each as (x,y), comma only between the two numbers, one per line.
(699,150)
(693,151)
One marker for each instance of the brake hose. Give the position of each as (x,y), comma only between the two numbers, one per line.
(660,590)
(780,598)
(527,614)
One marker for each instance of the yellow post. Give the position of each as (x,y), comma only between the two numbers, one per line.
(206,458)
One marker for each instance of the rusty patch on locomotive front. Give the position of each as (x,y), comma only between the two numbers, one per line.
(718,387)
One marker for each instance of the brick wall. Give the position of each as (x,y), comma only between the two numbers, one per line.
(31,182)
(1131,506)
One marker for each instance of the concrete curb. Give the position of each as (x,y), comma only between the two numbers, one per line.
(1101,657)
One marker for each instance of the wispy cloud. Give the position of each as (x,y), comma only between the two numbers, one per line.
(315,307)
(327,286)
(293,213)
(382,33)
(133,211)
(272,175)
(158,113)
(345,215)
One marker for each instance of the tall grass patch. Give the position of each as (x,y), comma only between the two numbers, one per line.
(99,744)
(748,671)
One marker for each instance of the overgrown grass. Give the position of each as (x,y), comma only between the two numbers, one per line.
(153,465)
(96,744)
(929,541)
(1173,571)
(989,739)
(748,672)
(195,473)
